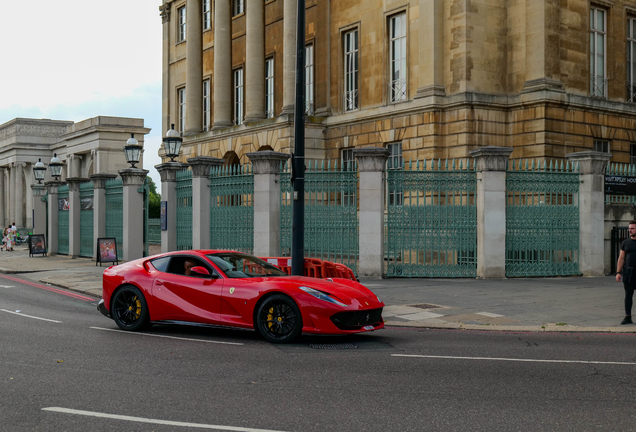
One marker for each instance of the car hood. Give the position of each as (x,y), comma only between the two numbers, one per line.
(341,288)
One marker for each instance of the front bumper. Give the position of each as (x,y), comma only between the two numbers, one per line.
(102,308)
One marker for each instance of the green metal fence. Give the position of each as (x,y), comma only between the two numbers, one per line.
(232,208)
(63,219)
(620,170)
(431,220)
(331,212)
(542,219)
(115,213)
(184,209)
(154,231)
(86,219)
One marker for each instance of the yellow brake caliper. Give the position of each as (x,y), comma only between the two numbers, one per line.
(270,317)
(138,304)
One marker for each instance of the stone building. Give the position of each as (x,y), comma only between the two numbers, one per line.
(424,78)
(88,147)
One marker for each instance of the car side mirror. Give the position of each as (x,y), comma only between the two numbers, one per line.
(199,271)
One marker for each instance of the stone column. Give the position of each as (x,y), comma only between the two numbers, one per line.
(431,44)
(222,64)
(290,16)
(2,200)
(11,194)
(591,210)
(194,68)
(255,61)
(39,209)
(491,165)
(99,207)
(164,11)
(53,212)
(133,181)
(371,164)
(19,195)
(28,216)
(74,215)
(168,173)
(201,199)
(266,166)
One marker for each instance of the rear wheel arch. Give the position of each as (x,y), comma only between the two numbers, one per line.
(132,302)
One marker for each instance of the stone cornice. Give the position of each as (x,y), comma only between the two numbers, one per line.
(201,165)
(267,161)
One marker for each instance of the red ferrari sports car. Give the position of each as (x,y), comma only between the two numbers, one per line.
(233,289)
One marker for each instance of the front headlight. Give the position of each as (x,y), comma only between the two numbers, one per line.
(322,296)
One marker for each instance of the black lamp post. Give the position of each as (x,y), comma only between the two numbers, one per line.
(172,143)
(39,170)
(56,167)
(132,150)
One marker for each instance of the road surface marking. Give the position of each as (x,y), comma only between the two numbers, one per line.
(29,316)
(168,337)
(49,288)
(154,421)
(7,286)
(514,359)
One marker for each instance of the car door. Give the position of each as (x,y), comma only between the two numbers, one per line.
(180,297)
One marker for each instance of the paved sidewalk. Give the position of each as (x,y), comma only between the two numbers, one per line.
(569,304)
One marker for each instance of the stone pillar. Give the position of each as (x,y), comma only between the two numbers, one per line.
(591,210)
(431,45)
(11,194)
(28,204)
(168,173)
(53,211)
(290,16)
(371,164)
(491,165)
(133,181)
(2,200)
(222,65)
(194,68)
(99,207)
(266,166)
(164,11)
(39,209)
(255,61)
(74,216)
(18,217)
(201,199)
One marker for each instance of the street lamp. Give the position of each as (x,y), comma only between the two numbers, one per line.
(56,167)
(132,150)
(172,143)
(39,170)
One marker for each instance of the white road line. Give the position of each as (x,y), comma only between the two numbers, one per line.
(513,359)
(154,421)
(29,316)
(168,337)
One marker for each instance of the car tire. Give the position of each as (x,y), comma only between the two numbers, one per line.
(278,319)
(129,309)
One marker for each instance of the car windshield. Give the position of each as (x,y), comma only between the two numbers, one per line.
(238,265)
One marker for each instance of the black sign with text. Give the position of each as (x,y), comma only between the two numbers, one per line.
(620,185)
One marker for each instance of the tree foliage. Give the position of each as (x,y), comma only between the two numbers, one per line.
(154,200)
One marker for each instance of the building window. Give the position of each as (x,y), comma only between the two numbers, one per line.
(269,88)
(601,146)
(598,82)
(351,70)
(395,193)
(182,109)
(206,105)
(348,164)
(237,7)
(238,96)
(397,53)
(631,60)
(181,12)
(206,15)
(309,80)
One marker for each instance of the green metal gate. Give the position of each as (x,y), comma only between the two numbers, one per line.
(542,219)
(146,191)
(86,219)
(232,208)
(331,212)
(431,221)
(115,213)
(63,219)
(184,209)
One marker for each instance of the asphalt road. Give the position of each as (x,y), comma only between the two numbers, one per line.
(65,367)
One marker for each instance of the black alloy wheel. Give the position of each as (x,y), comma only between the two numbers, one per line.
(278,319)
(130,310)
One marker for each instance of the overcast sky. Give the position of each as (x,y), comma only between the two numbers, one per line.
(77,59)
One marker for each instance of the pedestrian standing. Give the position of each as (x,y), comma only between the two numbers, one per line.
(14,235)
(5,239)
(626,270)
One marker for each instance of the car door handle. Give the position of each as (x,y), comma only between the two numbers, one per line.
(159,283)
